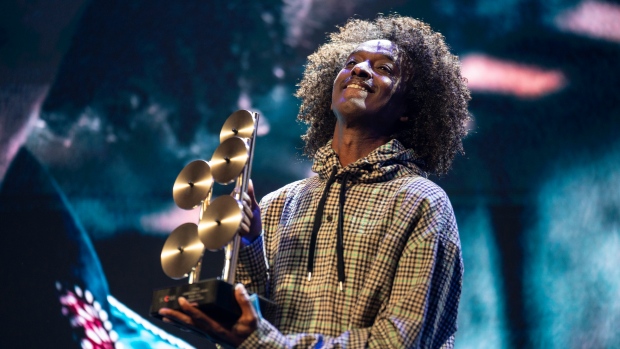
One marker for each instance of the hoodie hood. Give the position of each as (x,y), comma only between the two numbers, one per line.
(388,161)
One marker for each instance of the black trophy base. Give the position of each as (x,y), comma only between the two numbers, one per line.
(214,297)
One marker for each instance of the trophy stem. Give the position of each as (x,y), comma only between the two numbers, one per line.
(194,275)
(204,205)
(232,248)
(230,263)
(247,171)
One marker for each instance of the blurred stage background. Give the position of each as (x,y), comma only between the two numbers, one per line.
(143,88)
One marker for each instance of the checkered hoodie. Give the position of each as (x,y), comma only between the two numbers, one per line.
(396,253)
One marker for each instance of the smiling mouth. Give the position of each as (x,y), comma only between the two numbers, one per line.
(356,86)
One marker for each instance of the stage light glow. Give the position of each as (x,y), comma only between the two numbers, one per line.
(482,315)
(278,72)
(573,259)
(93,336)
(89,296)
(493,75)
(595,19)
(167,220)
(85,320)
(103,315)
(148,329)
(86,344)
(263,126)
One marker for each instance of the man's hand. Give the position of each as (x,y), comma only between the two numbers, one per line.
(191,315)
(251,226)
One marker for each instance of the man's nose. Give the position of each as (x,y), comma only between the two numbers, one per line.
(362,69)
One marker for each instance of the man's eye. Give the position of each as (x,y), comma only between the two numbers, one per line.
(350,63)
(385,69)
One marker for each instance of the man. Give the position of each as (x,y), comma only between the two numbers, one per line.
(367,253)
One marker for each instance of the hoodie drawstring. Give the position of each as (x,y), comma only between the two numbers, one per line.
(318,217)
(340,233)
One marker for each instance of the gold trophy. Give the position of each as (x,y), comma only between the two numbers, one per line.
(217,227)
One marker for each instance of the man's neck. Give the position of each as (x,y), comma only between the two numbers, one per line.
(352,144)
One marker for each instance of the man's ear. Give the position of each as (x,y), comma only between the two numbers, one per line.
(404,118)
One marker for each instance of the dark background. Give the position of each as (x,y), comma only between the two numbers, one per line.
(144,87)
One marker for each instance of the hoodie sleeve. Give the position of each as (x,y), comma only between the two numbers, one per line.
(252,269)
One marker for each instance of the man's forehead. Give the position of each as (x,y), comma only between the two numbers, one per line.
(384,47)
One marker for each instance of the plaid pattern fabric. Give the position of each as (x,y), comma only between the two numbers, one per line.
(402,259)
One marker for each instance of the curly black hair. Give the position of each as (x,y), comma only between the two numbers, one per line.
(436,96)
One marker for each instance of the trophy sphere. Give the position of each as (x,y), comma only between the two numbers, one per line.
(182,251)
(192,185)
(229,159)
(240,124)
(220,222)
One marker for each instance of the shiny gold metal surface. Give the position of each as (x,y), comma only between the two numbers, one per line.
(220,222)
(229,159)
(182,251)
(240,124)
(192,185)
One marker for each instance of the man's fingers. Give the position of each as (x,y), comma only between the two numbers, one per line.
(247,210)
(176,315)
(247,199)
(251,194)
(249,317)
(247,219)
(197,315)
(251,189)
(194,317)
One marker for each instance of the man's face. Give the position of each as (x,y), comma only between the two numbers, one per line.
(367,89)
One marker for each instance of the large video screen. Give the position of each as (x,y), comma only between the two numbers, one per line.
(105,102)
